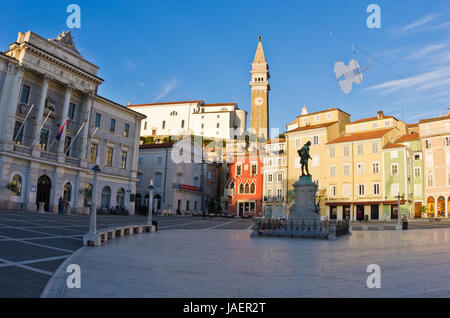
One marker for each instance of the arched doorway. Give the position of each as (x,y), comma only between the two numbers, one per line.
(106,197)
(120,198)
(441,207)
(88,194)
(44,187)
(430,207)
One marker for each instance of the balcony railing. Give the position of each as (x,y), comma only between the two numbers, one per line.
(49,156)
(22,149)
(274,199)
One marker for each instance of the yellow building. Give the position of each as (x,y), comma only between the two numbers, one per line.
(319,128)
(352,173)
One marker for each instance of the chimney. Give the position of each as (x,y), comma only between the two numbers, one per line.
(380,114)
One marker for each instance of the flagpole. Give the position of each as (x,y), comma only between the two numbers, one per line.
(23,124)
(45,120)
(75,137)
(50,148)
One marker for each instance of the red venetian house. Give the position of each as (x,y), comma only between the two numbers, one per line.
(245,186)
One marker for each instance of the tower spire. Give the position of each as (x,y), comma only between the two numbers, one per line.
(259,55)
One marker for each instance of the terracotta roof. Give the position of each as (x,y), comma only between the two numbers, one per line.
(276,140)
(422,121)
(393,145)
(370,119)
(201,102)
(312,127)
(220,104)
(413,125)
(154,146)
(293,122)
(408,137)
(323,111)
(362,136)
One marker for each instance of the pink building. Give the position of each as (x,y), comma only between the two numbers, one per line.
(435,139)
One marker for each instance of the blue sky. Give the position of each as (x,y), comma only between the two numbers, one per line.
(173,50)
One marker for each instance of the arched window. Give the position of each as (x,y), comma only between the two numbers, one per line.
(67,192)
(182,124)
(120,198)
(241,188)
(441,206)
(232,185)
(253,188)
(247,188)
(106,197)
(16,185)
(164,124)
(430,205)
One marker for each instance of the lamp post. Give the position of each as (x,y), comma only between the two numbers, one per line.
(92,234)
(150,203)
(398,226)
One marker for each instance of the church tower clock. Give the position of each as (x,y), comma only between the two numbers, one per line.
(259,113)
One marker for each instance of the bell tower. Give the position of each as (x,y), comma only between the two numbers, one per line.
(259,84)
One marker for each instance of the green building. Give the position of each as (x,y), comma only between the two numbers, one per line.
(403,175)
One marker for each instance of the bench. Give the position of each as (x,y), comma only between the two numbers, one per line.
(104,235)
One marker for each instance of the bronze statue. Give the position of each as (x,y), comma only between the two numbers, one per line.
(304,156)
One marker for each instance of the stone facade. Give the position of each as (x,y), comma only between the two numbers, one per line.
(46,85)
(275,179)
(435,142)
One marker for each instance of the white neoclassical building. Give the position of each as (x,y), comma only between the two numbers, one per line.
(48,89)
(221,121)
(178,186)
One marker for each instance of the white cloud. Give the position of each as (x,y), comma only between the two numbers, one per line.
(142,84)
(419,22)
(432,79)
(168,86)
(425,52)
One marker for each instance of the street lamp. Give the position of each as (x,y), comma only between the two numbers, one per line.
(398,226)
(150,203)
(92,234)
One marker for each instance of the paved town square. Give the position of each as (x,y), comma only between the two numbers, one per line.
(202,264)
(33,246)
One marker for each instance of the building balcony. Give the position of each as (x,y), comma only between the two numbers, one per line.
(22,149)
(274,199)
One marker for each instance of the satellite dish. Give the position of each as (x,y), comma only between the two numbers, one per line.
(347,75)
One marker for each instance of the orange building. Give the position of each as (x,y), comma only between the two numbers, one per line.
(245,186)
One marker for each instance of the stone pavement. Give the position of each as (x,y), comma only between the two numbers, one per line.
(33,246)
(198,263)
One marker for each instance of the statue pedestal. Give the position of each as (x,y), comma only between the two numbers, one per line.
(304,208)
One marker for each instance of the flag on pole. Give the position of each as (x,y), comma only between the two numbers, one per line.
(60,132)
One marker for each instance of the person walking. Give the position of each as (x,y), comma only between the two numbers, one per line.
(60,206)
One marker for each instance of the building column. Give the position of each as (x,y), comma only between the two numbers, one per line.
(87,106)
(65,110)
(11,103)
(6,89)
(40,112)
